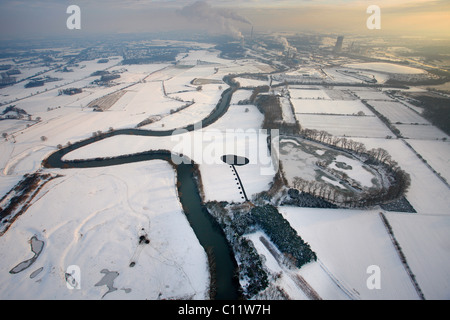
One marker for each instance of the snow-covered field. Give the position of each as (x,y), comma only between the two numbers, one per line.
(235,133)
(385,68)
(427,193)
(425,242)
(421,132)
(246,82)
(397,112)
(296,162)
(93,218)
(347,242)
(339,107)
(306,93)
(371,94)
(349,126)
(287,111)
(146,98)
(81,76)
(436,153)
(299,160)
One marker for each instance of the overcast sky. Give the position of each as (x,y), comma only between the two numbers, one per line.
(25,18)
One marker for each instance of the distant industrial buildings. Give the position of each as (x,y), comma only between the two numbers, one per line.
(338,46)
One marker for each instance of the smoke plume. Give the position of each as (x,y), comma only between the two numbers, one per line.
(214,19)
(285,43)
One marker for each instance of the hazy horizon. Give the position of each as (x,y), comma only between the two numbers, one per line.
(46,18)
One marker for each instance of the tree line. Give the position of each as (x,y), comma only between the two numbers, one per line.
(399,180)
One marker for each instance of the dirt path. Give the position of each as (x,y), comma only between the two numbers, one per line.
(306,288)
(290,271)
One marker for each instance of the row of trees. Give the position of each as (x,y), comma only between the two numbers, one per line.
(270,106)
(375,155)
(399,180)
(367,197)
(239,220)
(318,189)
(339,142)
(282,235)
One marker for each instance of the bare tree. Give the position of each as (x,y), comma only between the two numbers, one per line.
(299,183)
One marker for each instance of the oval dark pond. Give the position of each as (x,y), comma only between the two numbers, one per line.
(234,160)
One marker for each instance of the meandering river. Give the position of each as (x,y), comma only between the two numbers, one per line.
(206,229)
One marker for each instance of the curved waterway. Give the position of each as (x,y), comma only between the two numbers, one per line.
(209,234)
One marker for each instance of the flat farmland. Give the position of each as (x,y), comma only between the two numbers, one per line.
(330,107)
(349,126)
(308,93)
(371,94)
(424,132)
(436,153)
(397,112)
(427,193)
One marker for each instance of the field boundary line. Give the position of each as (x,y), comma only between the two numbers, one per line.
(401,256)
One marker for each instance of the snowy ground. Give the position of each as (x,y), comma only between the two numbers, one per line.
(398,113)
(348,126)
(93,219)
(330,107)
(436,153)
(370,94)
(347,242)
(307,93)
(425,242)
(237,132)
(386,68)
(80,77)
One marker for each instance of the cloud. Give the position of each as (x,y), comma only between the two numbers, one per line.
(214,19)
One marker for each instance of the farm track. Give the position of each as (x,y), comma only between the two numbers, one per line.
(338,283)
(301,283)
